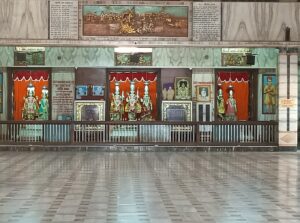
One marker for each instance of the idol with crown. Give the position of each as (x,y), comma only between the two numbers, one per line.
(30,109)
(146,104)
(133,106)
(117,104)
(44,105)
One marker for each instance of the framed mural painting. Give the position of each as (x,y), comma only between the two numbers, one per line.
(183,88)
(156,20)
(269,93)
(90,111)
(203,93)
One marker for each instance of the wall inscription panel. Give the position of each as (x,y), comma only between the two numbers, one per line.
(63,19)
(206,21)
(63,85)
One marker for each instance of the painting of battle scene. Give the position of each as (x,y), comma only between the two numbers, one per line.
(121,20)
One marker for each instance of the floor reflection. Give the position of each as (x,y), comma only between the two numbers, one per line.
(149,187)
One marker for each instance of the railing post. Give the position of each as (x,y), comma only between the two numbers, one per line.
(138,133)
(197,129)
(72,132)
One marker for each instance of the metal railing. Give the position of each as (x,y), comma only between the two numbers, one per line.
(155,133)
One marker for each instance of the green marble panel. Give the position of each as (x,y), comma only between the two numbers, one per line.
(266,57)
(188,57)
(79,56)
(182,57)
(7,56)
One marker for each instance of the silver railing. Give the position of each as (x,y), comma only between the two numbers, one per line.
(158,133)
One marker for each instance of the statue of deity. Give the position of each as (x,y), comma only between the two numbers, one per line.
(133,106)
(30,109)
(231,107)
(170,94)
(44,105)
(146,104)
(117,105)
(220,104)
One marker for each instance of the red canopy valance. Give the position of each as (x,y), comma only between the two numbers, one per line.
(138,76)
(34,75)
(233,76)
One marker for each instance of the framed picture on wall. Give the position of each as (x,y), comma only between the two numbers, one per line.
(81,90)
(98,90)
(183,88)
(269,93)
(176,111)
(203,92)
(90,111)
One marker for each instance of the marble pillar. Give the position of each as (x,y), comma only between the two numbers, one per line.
(288,95)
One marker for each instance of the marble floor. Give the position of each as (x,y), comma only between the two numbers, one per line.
(154,187)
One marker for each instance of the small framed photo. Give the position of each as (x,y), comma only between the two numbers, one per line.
(98,90)
(203,92)
(183,88)
(81,90)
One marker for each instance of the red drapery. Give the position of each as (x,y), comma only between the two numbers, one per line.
(34,75)
(139,78)
(22,78)
(240,83)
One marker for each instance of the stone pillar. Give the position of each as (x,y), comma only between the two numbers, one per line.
(288,95)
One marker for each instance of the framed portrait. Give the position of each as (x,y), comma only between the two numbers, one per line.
(269,93)
(98,90)
(183,88)
(203,92)
(81,90)
(89,111)
(176,111)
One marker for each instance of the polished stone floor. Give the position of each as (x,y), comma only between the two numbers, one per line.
(154,187)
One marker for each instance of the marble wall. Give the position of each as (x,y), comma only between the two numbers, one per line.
(288,95)
(24,19)
(260,21)
(185,57)
(79,57)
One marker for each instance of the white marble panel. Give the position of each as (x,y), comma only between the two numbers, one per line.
(26,19)
(260,21)
(288,139)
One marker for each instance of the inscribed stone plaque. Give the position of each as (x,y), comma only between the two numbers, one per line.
(63,19)
(206,21)
(63,84)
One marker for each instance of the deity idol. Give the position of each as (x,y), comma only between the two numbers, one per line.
(146,104)
(44,105)
(220,104)
(231,111)
(133,106)
(30,109)
(116,105)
